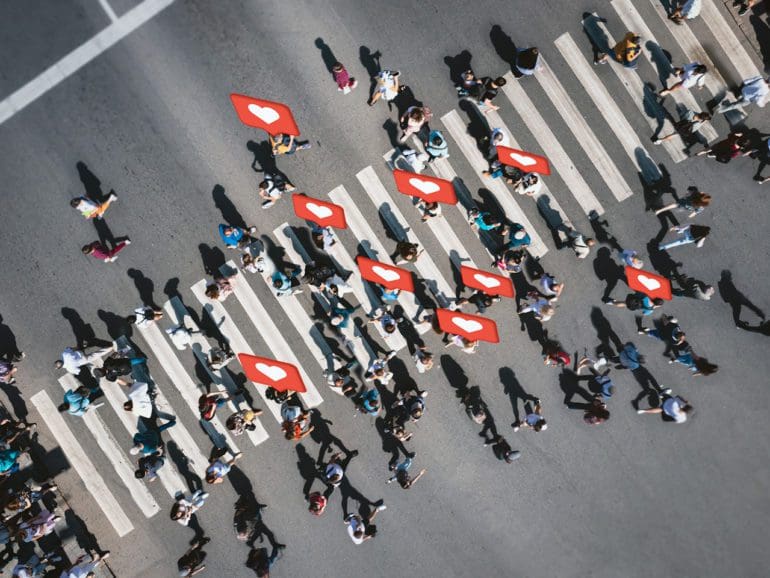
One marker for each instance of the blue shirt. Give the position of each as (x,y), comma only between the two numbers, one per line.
(285,285)
(482,225)
(629,357)
(514,242)
(232,239)
(7,459)
(150,441)
(78,403)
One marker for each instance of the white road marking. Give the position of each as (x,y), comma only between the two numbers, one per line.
(120,462)
(556,154)
(108,9)
(733,48)
(222,379)
(459,132)
(607,106)
(81,463)
(78,58)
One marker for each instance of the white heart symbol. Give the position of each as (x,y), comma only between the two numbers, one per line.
(467,325)
(387,274)
(272,371)
(487,282)
(649,282)
(425,187)
(522,160)
(319,210)
(264,113)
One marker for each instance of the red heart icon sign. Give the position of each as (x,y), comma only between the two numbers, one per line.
(273,117)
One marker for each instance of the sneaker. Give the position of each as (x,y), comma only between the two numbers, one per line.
(127,241)
(113,197)
(391,354)
(666,391)
(515,426)
(641,411)
(656,141)
(743,9)
(268,204)
(353,83)
(381,507)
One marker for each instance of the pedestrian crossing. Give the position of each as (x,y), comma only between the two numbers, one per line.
(279,320)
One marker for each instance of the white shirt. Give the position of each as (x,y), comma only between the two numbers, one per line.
(755,90)
(342,287)
(140,397)
(79,571)
(418,361)
(73,360)
(673,408)
(354,524)
(141,318)
(179,336)
(690,78)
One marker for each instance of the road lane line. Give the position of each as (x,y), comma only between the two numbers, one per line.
(81,463)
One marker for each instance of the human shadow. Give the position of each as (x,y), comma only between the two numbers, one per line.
(230,213)
(503,45)
(609,342)
(326,54)
(9,348)
(533,327)
(736,299)
(515,391)
(661,261)
(322,435)
(145,287)
(350,492)
(85,539)
(650,388)
(598,40)
(569,382)
(457,65)
(371,62)
(182,464)
(308,469)
(762,32)
(455,375)
(601,231)
(390,444)
(91,183)
(393,131)
(213,258)
(608,270)
(84,333)
(263,161)
(171,289)
(116,324)
(406,99)
(252,508)
(478,126)
(104,233)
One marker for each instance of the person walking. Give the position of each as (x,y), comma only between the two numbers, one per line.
(579,243)
(688,76)
(85,566)
(626,52)
(285,144)
(74,359)
(77,401)
(333,471)
(272,188)
(676,408)
(369,402)
(402,476)
(378,369)
(149,466)
(236,237)
(220,289)
(423,359)
(687,127)
(345,82)
(533,419)
(385,318)
(540,307)
(183,509)
(218,467)
(527,61)
(91,209)
(209,402)
(242,420)
(35,528)
(469,84)
(386,86)
(359,529)
(687,10)
(413,120)
(637,301)
(436,146)
(596,413)
(734,145)
(693,204)
(687,234)
(502,449)
(149,442)
(745,5)
(340,379)
(488,92)
(283,284)
(428,209)
(191,562)
(754,90)
(116,366)
(99,251)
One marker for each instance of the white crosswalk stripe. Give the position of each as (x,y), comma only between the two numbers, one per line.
(577,124)
(365,295)
(176,311)
(82,464)
(425,265)
(187,388)
(732,47)
(634,21)
(556,154)
(272,336)
(229,329)
(467,145)
(641,97)
(446,236)
(373,248)
(120,462)
(607,106)
(353,339)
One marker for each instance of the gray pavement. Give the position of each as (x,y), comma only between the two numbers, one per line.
(151,120)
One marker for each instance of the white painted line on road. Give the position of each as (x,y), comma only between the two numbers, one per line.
(273,337)
(425,265)
(634,21)
(238,342)
(179,432)
(108,9)
(354,341)
(82,55)
(692,49)
(556,154)
(577,124)
(222,379)
(84,467)
(120,462)
(733,48)
(635,88)
(446,236)
(607,106)
(503,195)
(360,228)
(364,293)
(187,388)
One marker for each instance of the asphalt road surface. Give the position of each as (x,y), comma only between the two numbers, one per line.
(150,118)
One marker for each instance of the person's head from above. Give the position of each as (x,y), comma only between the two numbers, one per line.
(700,69)
(212,291)
(334,289)
(469,343)
(520,234)
(338,67)
(75,203)
(390,326)
(704,116)
(657,302)
(264,185)
(533,178)
(512,455)
(540,425)
(416,412)
(468,75)
(436,140)
(177,511)
(129,405)
(404,479)
(489,220)
(212,476)
(135,449)
(700,199)
(547,310)
(708,290)
(417,114)
(336,319)
(229,231)
(335,478)
(498,82)
(140,473)
(278,136)
(636,39)
(58,364)
(88,249)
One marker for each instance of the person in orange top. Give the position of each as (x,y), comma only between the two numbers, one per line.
(626,51)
